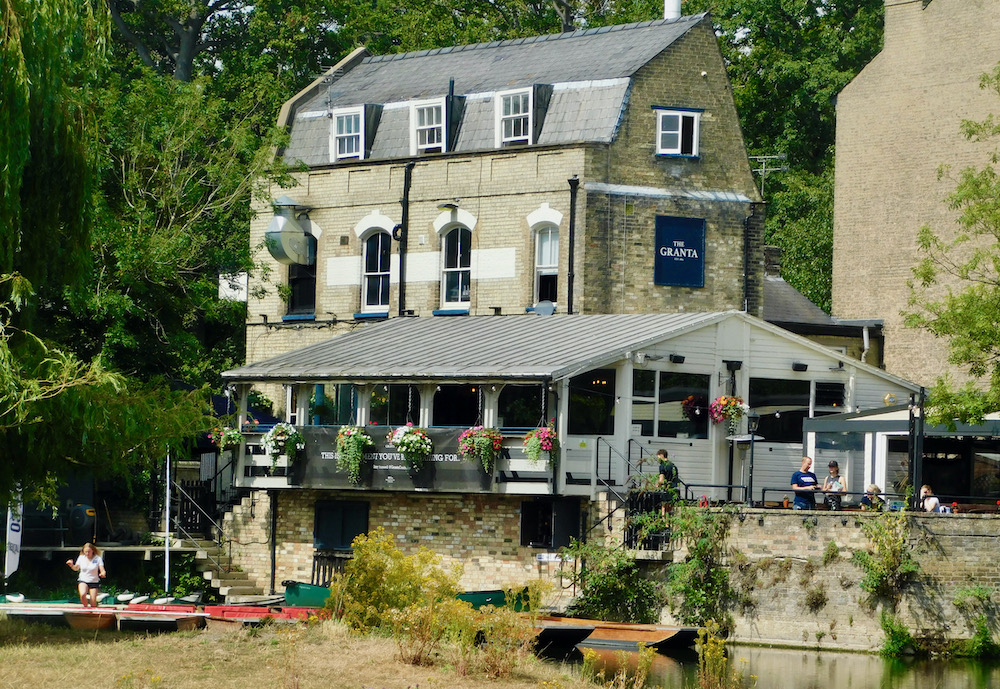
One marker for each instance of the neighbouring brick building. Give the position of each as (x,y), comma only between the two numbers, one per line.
(898,122)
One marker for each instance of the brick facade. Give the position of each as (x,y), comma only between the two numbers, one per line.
(897,123)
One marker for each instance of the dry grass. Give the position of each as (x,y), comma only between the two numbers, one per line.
(321,656)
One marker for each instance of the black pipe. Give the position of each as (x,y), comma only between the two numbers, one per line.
(401,231)
(574,185)
(273,499)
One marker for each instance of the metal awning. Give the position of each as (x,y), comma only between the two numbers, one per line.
(473,348)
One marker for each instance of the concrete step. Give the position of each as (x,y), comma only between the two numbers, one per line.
(230,591)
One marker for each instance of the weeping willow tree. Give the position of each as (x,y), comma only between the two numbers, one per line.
(58,413)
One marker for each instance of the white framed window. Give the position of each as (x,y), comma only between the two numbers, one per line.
(546,263)
(677,132)
(375,277)
(513,117)
(347,137)
(456,275)
(427,127)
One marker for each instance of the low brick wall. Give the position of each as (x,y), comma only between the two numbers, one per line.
(780,560)
(784,562)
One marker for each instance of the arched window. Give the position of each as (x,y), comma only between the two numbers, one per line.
(375,281)
(456,278)
(547,263)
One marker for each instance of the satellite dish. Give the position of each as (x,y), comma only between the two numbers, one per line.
(545,308)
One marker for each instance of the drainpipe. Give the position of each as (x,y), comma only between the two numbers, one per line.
(574,185)
(401,231)
(273,499)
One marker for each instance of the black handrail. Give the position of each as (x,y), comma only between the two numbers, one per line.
(789,492)
(688,495)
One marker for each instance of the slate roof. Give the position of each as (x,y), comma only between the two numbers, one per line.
(785,304)
(528,347)
(591,69)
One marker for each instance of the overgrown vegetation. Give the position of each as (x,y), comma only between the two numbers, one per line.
(412,598)
(898,640)
(613,587)
(699,586)
(713,669)
(623,678)
(889,565)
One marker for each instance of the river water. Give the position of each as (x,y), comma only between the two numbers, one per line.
(803,669)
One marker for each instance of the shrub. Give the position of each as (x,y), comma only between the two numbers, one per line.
(380,578)
(898,640)
(613,587)
(889,565)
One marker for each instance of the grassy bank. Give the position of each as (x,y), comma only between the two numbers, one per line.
(321,656)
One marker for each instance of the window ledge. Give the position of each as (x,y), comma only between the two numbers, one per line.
(370,316)
(451,312)
(677,155)
(299,317)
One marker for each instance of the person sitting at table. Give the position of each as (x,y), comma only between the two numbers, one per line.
(928,500)
(872,500)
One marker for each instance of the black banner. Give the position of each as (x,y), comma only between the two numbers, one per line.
(385,468)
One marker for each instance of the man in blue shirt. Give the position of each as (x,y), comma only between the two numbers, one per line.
(805,484)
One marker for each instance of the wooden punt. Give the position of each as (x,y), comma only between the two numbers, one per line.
(90,618)
(626,635)
(160,618)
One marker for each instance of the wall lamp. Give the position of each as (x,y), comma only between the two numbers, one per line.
(733,365)
(677,358)
(800,367)
(448,205)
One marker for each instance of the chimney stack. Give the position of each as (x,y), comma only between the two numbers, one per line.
(671,9)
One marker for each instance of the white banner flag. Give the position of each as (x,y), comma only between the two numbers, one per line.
(13,539)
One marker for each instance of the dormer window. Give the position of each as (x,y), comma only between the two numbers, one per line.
(427,131)
(348,136)
(514,120)
(677,132)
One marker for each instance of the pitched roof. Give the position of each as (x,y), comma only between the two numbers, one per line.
(785,304)
(591,70)
(607,52)
(528,347)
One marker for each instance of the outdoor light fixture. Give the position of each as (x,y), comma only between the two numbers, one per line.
(448,205)
(677,358)
(733,365)
(753,422)
(799,366)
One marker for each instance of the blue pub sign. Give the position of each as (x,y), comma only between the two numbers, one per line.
(680,252)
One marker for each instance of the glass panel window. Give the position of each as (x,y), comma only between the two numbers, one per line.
(670,405)
(301,289)
(428,128)
(394,405)
(521,406)
(348,136)
(457,275)
(546,264)
(515,118)
(375,282)
(592,403)
(677,132)
(782,405)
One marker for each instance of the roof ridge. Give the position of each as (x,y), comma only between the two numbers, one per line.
(527,40)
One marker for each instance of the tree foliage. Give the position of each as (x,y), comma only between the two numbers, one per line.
(56,410)
(967,265)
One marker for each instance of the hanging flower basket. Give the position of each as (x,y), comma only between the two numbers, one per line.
(283,439)
(352,441)
(225,437)
(726,408)
(541,440)
(481,445)
(413,443)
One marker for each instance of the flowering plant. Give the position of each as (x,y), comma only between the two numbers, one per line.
(283,439)
(726,408)
(693,407)
(225,437)
(482,444)
(351,444)
(413,443)
(541,440)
